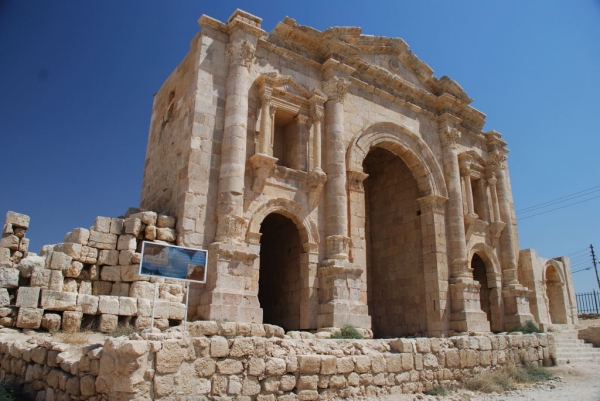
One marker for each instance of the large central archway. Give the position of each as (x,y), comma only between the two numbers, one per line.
(395,279)
(279,275)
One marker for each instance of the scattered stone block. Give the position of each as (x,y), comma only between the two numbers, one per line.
(144,307)
(87,304)
(28,297)
(94,272)
(142,322)
(89,255)
(75,270)
(71,321)
(70,285)
(9,277)
(10,241)
(4,297)
(148,218)
(40,277)
(110,273)
(130,273)
(177,311)
(116,226)
(85,287)
(5,260)
(60,261)
(102,224)
(107,323)
(23,245)
(150,233)
(132,226)
(162,309)
(125,257)
(56,281)
(163,221)
(127,306)
(70,249)
(142,289)
(59,301)
(78,236)
(171,292)
(29,318)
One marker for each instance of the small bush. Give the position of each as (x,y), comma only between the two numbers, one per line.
(506,378)
(347,332)
(529,327)
(6,394)
(123,330)
(440,390)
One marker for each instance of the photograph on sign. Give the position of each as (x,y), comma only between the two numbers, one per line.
(176,262)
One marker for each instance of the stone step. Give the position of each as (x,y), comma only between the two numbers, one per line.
(570,349)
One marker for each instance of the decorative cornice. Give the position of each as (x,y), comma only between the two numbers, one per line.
(433,203)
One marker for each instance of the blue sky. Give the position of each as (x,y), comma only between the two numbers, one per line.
(77,79)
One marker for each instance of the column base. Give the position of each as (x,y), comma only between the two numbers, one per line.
(466,314)
(516,306)
(339,296)
(226,296)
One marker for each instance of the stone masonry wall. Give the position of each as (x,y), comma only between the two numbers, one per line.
(90,280)
(218,361)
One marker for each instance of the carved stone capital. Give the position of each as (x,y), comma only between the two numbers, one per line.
(265,95)
(356,179)
(229,228)
(433,204)
(337,247)
(316,112)
(240,53)
(336,88)
(497,158)
(301,119)
(449,136)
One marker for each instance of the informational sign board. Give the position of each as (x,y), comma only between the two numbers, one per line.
(174,262)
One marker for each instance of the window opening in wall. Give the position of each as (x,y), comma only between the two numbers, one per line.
(285,144)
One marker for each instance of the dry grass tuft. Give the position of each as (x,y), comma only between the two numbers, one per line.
(79,338)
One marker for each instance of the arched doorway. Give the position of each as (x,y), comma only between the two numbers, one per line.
(556,298)
(395,280)
(480,276)
(279,282)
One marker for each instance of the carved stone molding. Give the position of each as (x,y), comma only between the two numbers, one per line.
(495,229)
(230,228)
(337,247)
(316,180)
(497,158)
(336,88)
(433,204)
(356,180)
(240,53)
(263,166)
(316,112)
(450,136)
(461,270)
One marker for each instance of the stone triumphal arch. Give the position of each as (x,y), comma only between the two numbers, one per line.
(335,180)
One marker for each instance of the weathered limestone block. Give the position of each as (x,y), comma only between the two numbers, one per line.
(116,225)
(29,318)
(127,306)
(394,363)
(51,322)
(5,260)
(150,233)
(162,309)
(59,301)
(163,221)
(10,241)
(148,218)
(309,364)
(108,305)
(23,245)
(142,322)
(89,255)
(205,367)
(127,242)
(161,324)
(70,285)
(144,307)
(125,257)
(78,236)
(56,282)
(102,224)
(70,249)
(287,383)
(102,240)
(132,226)
(241,347)
(87,304)
(85,287)
(110,273)
(17,219)
(275,367)
(166,234)
(203,328)
(250,386)
(9,277)
(219,347)
(171,292)
(4,297)
(88,385)
(170,357)
(60,261)
(273,331)
(130,273)
(107,323)
(40,277)
(28,297)
(71,321)
(108,257)
(39,354)
(230,367)
(120,289)
(142,289)
(176,311)
(101,288)
(75,269)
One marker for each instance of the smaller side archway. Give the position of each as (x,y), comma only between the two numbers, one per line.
(554,285)
(486,272)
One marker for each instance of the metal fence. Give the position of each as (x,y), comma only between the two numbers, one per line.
(588,302)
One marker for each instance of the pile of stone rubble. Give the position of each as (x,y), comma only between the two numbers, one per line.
(90,280)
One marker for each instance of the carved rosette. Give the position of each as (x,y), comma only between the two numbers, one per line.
(336,88)
(230,228)
(337,247)
(433,204)
(450,136)
(240,53)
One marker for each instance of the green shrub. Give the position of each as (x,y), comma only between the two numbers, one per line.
(529,327)
(6,394)
(440,390)
(347,332)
